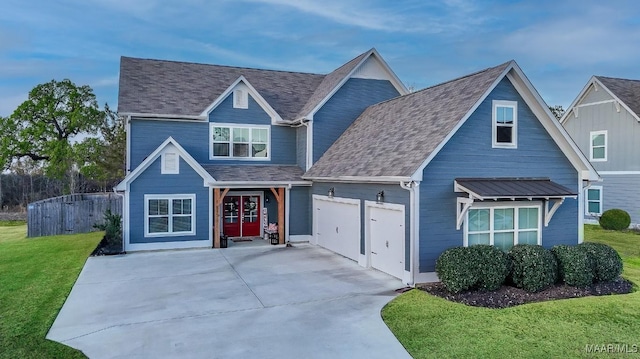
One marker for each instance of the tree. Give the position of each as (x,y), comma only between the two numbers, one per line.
(557,111)
(102,159)
(42,127)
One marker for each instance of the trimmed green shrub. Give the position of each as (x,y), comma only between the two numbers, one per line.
(112,228)
(615,219)
(454,271)
(534,268)
(491,264)
(464,268)
(606,264)
(574,266)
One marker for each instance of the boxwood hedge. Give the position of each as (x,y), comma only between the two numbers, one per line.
(574,266)
(534,268)
(606,264)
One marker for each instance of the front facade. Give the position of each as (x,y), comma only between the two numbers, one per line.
(605,123)
(349,161)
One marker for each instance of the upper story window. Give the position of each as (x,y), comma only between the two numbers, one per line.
(503,226)
(239,142)
(170,163)
(240,99)
(598,146)
(594,200)
(505,124)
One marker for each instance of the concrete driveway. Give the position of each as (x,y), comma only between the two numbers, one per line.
(252,302)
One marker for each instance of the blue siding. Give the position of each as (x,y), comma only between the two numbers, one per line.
(393,193)
(147,135)
(152,182)
(469,154)
(301,145)
(300,214)
(344,107)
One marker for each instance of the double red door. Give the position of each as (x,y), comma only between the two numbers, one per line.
(241,216)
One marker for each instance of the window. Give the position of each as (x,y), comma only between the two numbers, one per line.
(503,226)
(598,146)
(594,201)
(240,99)
(505,124)
(240,142)
(168,215)
(170,163)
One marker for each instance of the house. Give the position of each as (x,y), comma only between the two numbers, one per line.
(349,161)
(604,120)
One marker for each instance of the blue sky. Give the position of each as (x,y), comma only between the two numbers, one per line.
(559,44)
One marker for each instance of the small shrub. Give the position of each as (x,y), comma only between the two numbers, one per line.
(491,266)
(534,268)
(606,264)
(112,227)
(574,266)
(454,271)
(615,219)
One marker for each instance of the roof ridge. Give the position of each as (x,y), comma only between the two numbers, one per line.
(217,65)
(441,84)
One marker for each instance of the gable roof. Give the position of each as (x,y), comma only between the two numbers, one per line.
(624,91)
(394,140)
(405,130)
(163,87)
(206,177)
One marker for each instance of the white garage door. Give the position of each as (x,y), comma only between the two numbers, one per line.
(386,233)
(337,225)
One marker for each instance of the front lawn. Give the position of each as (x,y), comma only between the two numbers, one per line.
(431,327)
(36,276)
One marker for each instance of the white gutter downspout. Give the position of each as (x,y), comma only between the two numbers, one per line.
(287,212)
(412,187)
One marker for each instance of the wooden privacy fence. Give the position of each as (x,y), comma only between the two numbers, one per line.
(74,213)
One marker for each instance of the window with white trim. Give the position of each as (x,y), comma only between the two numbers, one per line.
(170,163)
(593,199)
(169,215)
(503,226)
(239,142)
(598,146)
(240,99)
(505,124)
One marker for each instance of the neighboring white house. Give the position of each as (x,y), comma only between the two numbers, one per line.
(604,121)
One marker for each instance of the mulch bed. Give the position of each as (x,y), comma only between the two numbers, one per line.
(508,296)
(105,248)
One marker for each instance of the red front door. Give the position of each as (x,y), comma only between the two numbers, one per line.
(241,216)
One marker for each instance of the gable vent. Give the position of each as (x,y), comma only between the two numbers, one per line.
(240,99)
(170,164)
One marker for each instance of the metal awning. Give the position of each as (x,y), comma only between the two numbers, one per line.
(482,189)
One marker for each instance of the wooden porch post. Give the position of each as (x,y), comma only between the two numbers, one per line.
(217,201)
(280,199)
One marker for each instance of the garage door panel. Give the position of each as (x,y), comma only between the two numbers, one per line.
(338,226)
(387,235)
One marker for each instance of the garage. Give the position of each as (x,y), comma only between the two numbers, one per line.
(336,225)
(386,235)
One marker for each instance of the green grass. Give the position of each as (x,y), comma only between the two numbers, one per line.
(36,276)
(431,327)
(7,223)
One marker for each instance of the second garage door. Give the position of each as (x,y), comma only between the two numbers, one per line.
(387,234)
(337,225)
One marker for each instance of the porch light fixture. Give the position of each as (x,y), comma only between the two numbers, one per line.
(331,192)
(380,197)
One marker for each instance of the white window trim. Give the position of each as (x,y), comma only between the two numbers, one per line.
(606,149)
(170,198)
(586,201)
(503,205)
(163,167)
(241,99)
(231,126)
(494,124)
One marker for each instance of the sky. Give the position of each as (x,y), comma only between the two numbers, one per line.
(558,44)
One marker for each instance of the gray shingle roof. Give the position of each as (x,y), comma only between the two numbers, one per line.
(330,82)
(254,173)
(515,187)
(393,138)
(182,88)
(628,91)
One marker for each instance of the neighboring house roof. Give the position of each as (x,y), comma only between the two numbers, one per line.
(628,91)
(393,138)
(254,173)
(181,88)
(515,188)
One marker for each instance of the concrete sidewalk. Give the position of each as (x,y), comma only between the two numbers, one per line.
(254,302)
